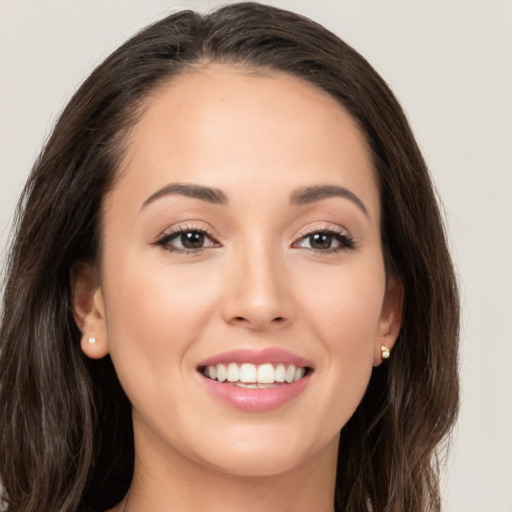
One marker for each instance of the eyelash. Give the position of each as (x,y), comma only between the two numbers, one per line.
(183,230)
(344,239)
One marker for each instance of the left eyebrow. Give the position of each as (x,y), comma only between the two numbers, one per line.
(308,195)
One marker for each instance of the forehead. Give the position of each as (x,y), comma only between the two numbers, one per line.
(227,127)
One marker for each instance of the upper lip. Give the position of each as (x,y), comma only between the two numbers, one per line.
(256,357)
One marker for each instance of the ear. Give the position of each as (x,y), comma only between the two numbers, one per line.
(390,319)
(89,310)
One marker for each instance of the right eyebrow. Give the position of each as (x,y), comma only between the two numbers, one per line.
(210,195)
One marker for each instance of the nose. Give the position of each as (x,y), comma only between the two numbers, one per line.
(258,291)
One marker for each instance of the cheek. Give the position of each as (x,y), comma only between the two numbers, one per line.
(345,307)
(154,313)
(149,296)
(344,315)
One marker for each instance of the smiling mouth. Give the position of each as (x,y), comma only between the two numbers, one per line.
(251,376)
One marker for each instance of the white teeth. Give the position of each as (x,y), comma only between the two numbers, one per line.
(233,372)
(266,374)
(280,373)
(247,386)
(251,376)
(254,386)
(247,373)
(290,374)
(221,372)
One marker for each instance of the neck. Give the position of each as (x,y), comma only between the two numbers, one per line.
(174,482)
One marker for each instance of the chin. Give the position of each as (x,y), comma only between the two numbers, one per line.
(258,455)
(256,464)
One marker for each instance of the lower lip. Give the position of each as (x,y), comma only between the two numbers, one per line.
(256,400)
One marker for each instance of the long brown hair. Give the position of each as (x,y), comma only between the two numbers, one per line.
(66,439)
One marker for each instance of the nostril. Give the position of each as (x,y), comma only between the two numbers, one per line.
(258,322)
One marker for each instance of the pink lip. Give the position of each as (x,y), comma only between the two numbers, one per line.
(256,400)
(257,356)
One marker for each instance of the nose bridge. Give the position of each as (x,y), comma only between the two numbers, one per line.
(259,294)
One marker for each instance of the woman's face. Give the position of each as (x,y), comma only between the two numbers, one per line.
(242,242)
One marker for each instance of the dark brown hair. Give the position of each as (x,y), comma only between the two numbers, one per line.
(66,434)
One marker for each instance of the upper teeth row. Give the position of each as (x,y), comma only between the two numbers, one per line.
(262,374)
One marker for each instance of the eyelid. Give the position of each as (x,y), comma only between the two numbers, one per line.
(167,235)
(323,227)
(344,237)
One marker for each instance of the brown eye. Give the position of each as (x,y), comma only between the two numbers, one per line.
(320,241)
(187,240)
(192,240)
(326,241)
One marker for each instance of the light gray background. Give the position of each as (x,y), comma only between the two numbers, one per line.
(450,64)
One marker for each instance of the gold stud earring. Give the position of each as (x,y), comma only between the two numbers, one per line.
(384,352)
(91,341)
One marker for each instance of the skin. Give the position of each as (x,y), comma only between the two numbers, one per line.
(257,283)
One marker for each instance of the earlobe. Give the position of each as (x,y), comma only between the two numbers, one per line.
(390,320)
(89,310)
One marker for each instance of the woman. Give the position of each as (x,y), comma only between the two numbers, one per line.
(230,286)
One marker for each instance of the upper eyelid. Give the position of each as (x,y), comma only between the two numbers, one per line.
(180,228)
(343,235)
(164,241)
(208,231)
(324,228)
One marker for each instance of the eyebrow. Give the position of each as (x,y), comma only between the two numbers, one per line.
(302,196)
(210,195)
(309,195)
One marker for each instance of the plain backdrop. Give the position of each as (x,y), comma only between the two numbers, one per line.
(450,64)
